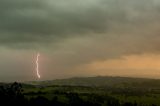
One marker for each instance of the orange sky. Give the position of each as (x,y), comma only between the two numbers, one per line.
(145,65)
(145,61)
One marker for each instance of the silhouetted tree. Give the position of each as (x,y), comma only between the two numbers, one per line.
(12,94)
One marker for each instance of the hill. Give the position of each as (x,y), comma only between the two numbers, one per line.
(105,81)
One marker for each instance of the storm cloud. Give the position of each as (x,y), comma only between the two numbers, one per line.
(77,32)
(39,21)
(27,21)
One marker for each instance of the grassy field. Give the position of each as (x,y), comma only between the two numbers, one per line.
(140,92)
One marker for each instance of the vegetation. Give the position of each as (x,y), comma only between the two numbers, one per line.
(129,92)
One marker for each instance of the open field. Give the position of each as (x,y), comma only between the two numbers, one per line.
(90,91)
(137,91)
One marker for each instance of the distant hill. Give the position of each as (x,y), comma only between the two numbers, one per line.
(104,81)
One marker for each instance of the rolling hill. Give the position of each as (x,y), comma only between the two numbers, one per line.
(103,81)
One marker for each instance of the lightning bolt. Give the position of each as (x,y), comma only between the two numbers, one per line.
(37,65)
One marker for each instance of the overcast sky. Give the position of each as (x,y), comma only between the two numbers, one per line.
(79,38)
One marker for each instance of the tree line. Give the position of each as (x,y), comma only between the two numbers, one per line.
(13,95)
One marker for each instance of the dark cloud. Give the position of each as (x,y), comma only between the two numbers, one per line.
(38,21)
(77,32)
(28,21)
